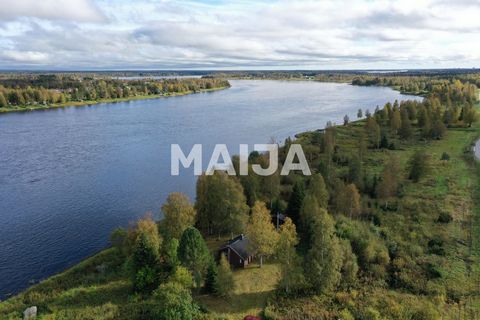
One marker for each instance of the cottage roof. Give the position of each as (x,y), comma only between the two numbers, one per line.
(239,244)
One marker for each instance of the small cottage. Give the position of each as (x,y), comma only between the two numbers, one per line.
(237,252)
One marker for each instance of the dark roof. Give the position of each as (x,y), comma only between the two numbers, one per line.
(239,244)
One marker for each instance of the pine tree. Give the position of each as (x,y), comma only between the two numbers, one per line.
(225,283)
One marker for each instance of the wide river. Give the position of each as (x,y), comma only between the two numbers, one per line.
(69,176)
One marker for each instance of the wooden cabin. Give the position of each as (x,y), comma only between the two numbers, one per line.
(237,252)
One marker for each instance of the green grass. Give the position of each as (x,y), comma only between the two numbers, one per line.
(254,285)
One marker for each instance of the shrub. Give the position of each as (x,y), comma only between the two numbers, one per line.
(145,279)
(117,238)
(444,217)
(445,156)
(435,246)
(174,302)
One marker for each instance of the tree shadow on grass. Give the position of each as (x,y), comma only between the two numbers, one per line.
(242,303)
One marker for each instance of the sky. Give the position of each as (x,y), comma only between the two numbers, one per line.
(231,35)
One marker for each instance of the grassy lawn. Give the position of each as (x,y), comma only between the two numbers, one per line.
(253,287)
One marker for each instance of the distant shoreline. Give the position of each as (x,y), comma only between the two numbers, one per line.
(112,100)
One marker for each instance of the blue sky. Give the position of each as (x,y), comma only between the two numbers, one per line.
(357,34)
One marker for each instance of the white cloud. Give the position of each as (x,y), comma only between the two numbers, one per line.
(25,56)
(248,34)
(73,10)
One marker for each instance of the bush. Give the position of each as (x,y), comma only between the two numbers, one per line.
(346,315)
(435,246)
(444,217)
(445,156)
(117,238)
(174,302)
(145,279)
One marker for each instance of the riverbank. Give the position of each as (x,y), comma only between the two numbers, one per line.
(93,102)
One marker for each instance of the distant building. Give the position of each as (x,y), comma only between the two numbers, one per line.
(237,252)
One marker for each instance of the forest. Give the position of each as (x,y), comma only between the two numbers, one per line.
(387,227)
(32,91)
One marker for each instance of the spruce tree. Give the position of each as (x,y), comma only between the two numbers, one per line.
(295,202)
(211,277)
(193,254)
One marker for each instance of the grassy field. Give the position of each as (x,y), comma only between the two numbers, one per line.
(254,285)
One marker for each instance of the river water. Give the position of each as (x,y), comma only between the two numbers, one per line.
(69,176)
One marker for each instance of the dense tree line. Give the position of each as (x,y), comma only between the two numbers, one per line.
(51,89)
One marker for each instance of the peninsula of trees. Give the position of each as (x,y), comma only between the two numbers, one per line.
(29,92)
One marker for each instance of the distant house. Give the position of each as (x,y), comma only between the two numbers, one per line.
(237,252)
